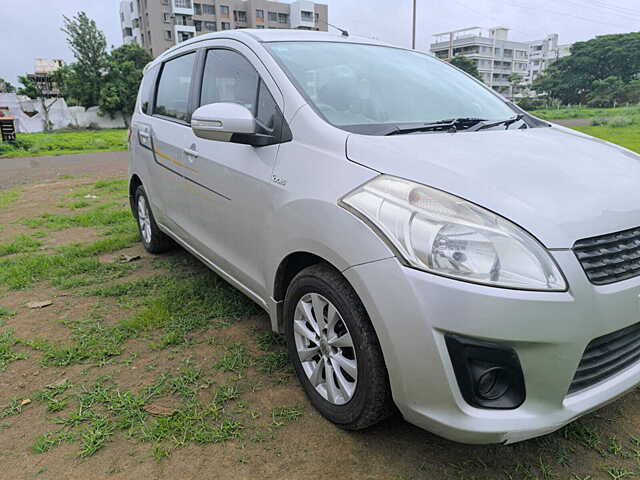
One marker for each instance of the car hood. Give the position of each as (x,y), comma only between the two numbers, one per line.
(557,183)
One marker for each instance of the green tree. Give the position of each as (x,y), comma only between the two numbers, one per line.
(631,91)
(467,65)
(606,93)
(6,87)
(121,83)
(82,80)
(33,91)
(571,79)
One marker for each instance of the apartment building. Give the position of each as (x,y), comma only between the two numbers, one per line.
(498,58)
(157,25)
(42,76)
(543,53)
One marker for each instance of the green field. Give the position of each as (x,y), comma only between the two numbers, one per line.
(583,112)
(628,137)
(64,142)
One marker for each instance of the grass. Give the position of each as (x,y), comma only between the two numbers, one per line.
(63,142)
(20,244)
(584,112)
(69,267)
(175,305)
(7,353)
(628,137)
(7,197)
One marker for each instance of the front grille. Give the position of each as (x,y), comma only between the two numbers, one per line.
(610,258)
(606,356)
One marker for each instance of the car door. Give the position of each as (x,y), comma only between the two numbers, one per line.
(169,130)
(230,194)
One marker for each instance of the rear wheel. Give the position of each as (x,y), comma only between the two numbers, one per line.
(153,239)
(334,349)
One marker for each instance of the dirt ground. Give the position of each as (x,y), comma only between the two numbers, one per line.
(152,367)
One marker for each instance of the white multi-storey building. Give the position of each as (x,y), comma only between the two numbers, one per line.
(157,25)
(499,58)
(543,53)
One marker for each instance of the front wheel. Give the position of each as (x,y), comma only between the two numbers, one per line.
(334,349)
(153,239)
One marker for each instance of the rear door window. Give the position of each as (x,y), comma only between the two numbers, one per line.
(146,95)
(172,99)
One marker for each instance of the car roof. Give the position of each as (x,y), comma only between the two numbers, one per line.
(265,35)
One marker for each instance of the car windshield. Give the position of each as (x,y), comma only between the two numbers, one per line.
(363,88)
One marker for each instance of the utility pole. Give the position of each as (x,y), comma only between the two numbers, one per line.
(413,42)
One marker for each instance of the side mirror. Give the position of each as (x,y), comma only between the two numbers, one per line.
(221,121)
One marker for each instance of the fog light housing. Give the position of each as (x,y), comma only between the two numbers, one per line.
(489,375)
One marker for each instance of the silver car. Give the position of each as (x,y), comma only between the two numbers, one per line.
(423,244)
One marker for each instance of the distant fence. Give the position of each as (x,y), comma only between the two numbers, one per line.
(30,118)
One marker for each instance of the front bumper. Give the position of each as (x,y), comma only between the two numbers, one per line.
(413,310)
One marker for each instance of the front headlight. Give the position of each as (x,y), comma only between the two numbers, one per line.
(446,235)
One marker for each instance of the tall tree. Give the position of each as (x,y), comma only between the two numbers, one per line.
(6,87)
(121,83)
(571,79)
(467,65)
(33,91)
(82,80)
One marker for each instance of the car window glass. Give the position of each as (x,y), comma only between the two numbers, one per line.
(172,99)
(146,95)
(267,109)
(229,77)
(353,84)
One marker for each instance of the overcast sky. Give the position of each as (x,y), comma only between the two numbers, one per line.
(31,28)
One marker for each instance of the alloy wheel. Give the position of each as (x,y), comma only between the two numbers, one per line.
(144,219)
(325,348)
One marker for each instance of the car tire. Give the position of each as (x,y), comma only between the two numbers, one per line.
(365,397)
(153,239)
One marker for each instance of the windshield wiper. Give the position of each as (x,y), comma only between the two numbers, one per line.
(495,123)
(447,125)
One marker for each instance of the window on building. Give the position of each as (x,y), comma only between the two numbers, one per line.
(259,26)
(131,6)
(209,9)
(167,35)
(172,99)
(283,18)
(259,14)
(240,16)
(165,2)
(166,17)
(273,17)
(184,36)
(224,11)
(306,16)
(182,3)
(182,20)
(198,25)
(210,26)
(226,26)
(317,18)
(197,9)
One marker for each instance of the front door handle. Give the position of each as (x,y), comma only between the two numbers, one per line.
(191,154)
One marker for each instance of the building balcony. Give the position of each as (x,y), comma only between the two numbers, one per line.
(183,32)
(182,7)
